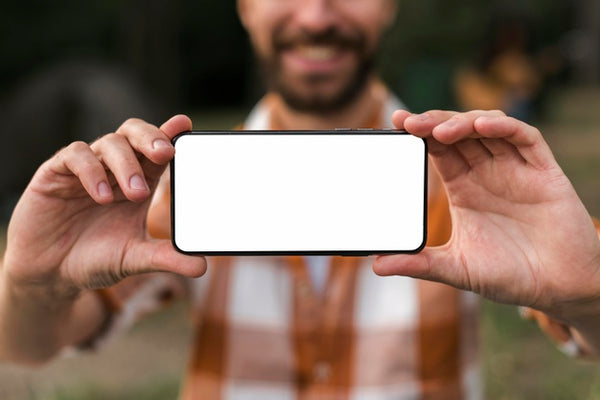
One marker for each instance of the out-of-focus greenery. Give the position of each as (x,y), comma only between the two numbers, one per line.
(434,37)
(519,363)
(188,52)
(195,53)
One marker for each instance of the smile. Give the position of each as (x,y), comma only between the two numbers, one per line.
(317,52)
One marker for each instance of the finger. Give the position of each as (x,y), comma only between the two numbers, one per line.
(147,140)
(461,126)
(527,139)
(159,256)
(501,149)
(432,264)
(171,128)
(473,152)
(447,160)
(398,118)
(423,124)
(118,156)
(78,159)
(154,143)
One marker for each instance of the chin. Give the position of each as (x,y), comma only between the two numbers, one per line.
(320,102)
(319,95)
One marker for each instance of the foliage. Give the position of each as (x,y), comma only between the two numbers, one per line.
(196,53)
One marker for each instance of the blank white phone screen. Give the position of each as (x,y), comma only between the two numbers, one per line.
(274,192)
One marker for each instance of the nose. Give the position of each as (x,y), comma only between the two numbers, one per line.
(316,15)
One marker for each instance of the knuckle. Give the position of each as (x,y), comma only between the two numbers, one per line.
(111,137)
(108,140)
(134,129)
(129,123)
(474,114)
(77,147)
(438,115)
(72,152)
(130,127)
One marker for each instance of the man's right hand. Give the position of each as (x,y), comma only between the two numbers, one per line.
(80,224)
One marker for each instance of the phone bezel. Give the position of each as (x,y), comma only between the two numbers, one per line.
(299,252)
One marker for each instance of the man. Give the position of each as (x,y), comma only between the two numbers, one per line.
(268,328)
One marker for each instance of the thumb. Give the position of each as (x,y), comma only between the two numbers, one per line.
(436,264)
(159,255)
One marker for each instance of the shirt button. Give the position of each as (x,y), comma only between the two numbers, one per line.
(322,371)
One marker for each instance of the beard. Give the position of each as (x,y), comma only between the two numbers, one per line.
(312,99)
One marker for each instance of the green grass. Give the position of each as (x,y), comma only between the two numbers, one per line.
(159,388)
(520,363)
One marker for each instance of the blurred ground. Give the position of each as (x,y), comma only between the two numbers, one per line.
(519,363)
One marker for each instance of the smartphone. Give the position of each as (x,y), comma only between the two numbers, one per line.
(342,192)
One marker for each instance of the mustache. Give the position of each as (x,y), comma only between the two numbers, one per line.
(332,36)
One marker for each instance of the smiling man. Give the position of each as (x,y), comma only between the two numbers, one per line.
(317,59)
(318,56)
(80,263)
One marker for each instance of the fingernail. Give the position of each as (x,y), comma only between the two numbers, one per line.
(423,117)
(137,183)
(160,144)
(104,189)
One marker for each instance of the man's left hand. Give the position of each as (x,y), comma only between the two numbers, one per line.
(520,233)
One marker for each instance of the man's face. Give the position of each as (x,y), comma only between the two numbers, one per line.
(317,54)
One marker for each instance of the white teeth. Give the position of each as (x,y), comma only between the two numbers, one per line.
(317,53)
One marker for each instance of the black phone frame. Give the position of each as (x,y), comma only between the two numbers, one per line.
(352,253)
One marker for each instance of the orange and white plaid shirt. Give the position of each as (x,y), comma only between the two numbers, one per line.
(264,332)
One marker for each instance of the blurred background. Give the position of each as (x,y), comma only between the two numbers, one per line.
(74,70)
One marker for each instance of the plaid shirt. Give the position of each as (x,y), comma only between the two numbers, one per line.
(263,332)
